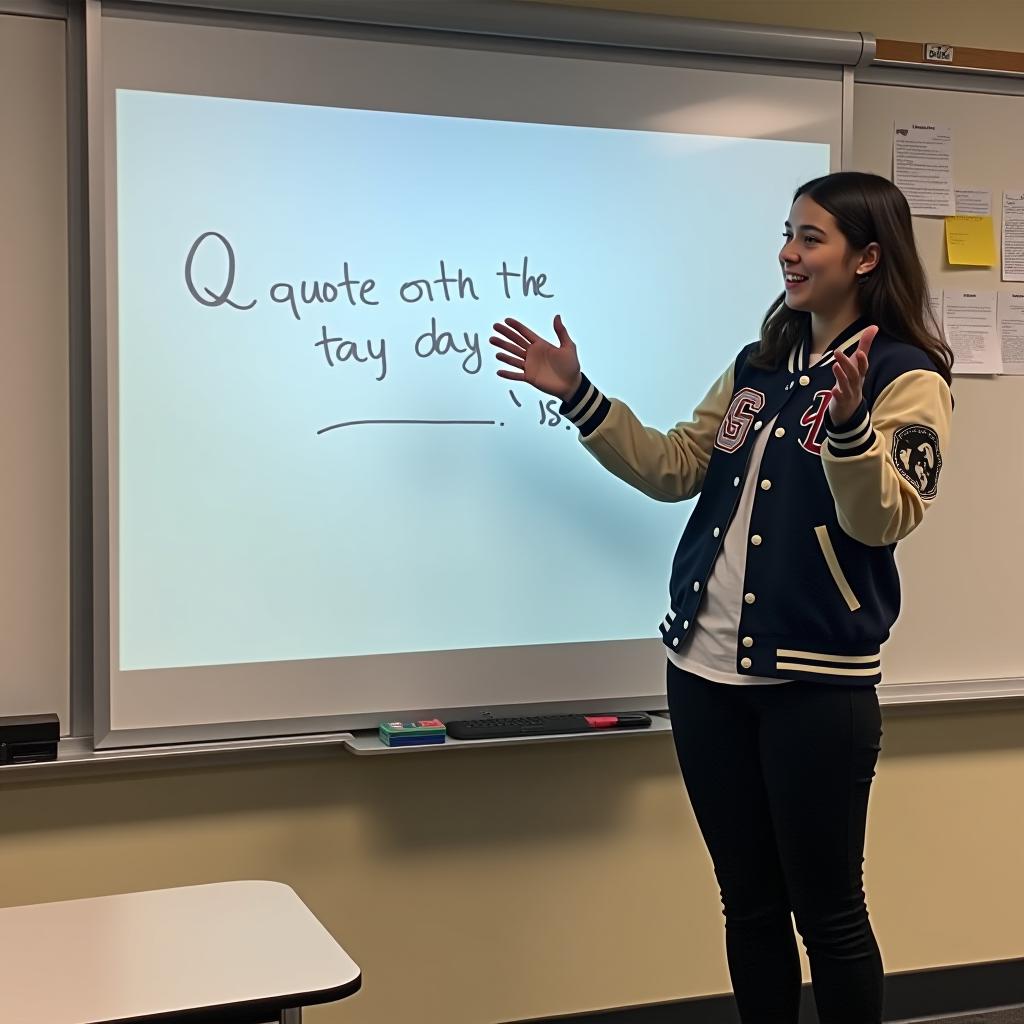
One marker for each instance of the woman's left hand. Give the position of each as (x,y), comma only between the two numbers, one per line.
(850,373)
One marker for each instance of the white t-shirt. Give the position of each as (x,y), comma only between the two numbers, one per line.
(711,645)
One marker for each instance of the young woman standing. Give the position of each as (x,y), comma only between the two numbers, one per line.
(816,451)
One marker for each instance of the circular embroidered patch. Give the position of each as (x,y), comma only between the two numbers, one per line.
(915,452)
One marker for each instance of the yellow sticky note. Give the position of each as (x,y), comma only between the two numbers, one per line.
(970,241)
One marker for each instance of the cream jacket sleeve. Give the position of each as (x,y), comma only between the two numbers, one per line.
(666,466)
(883,466)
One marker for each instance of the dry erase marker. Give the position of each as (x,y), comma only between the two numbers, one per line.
(622,720)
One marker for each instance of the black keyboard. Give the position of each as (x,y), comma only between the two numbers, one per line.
(526,725)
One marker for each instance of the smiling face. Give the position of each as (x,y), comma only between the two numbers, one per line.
(819,267)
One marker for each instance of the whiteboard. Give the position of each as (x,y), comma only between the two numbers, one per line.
(169,701)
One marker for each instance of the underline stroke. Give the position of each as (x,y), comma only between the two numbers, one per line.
(357,423)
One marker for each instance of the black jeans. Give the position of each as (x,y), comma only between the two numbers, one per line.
(778,777)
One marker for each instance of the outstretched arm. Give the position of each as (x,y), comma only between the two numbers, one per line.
(669,466)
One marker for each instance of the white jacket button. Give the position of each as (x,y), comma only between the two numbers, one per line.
(717,531)
(780,431)
(805,380)
(766,485)
(746,663)
(749,598)
(748,641)
(675,641)
(756,540)
(696,585)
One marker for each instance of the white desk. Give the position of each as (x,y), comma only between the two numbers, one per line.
(248,951)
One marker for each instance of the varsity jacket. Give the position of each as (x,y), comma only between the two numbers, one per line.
(821,589)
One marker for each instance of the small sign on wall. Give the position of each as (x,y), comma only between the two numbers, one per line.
(938,52)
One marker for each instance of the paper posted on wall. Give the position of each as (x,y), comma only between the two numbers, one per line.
(970,241)
(974,200)
(1013,236)
(922,159)
(969,323)
(1011,330)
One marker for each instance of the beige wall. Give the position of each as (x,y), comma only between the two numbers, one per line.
(989,24)
(34,462)
(512,865)
(509,863)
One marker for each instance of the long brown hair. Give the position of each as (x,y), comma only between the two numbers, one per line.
(867,208)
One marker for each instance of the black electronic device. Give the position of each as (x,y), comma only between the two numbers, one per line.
(28,738)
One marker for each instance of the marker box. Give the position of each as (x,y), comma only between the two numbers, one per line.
(412,734)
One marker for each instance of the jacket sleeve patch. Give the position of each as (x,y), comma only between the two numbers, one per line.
(916,455)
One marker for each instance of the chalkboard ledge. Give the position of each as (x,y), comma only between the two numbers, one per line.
(77,757)
(368,743)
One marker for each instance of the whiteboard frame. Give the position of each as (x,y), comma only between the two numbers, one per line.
(937,77)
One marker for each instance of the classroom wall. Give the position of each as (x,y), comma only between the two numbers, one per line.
(988,24)
(553,878)
(34,462)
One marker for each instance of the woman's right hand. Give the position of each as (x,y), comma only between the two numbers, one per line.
(553,369)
